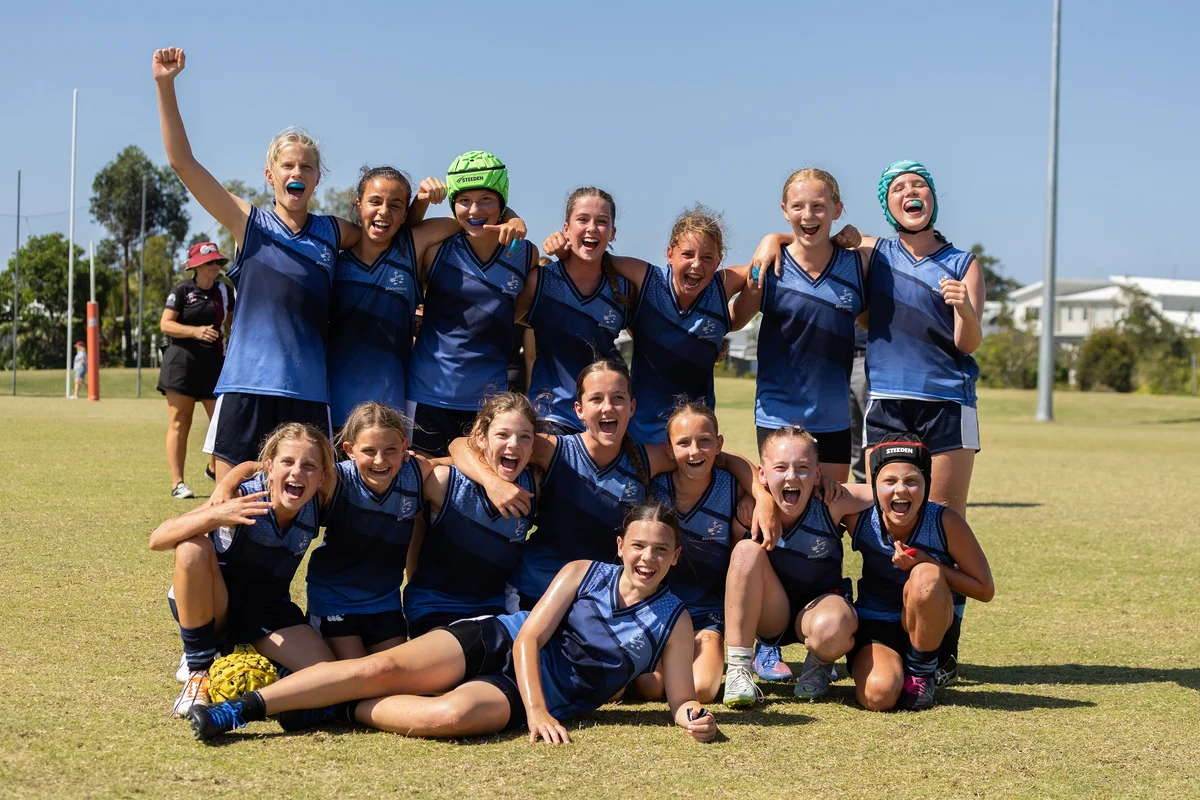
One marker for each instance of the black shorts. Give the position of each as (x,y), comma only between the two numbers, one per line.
(709,622)
(250,617)
(434,428)
(189,373)
(441,619)
(488,649)
(371,628)
(943,425)
(798,600)
(893,636)
(241,422)
(833,447)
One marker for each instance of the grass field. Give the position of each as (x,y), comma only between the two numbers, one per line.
(1081,678)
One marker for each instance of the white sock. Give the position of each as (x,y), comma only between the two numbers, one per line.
(739,656)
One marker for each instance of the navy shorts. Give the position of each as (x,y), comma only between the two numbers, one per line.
(435,428)
(241,423)
(441,619)
(798,600)
(714,621)
(891,634)
(487,648)
(833,447)
(943,425)
(250,617)
(371,628)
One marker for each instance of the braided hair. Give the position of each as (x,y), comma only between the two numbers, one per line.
(608,267)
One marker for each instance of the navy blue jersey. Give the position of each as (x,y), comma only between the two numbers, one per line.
(910,344)
(806,344)
(283,280)
(580,513)
(371,326)
(463,350)
(359,565)
(572,330)
(468,554)
(699,577)
(601,646)
(261,559)
(674,351)
(808,556)
(881,587)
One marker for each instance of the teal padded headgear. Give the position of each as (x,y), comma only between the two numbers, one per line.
(477,169)
(895,170)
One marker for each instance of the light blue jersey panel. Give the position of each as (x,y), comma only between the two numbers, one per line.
(910,345)
(283,281)
(806,344)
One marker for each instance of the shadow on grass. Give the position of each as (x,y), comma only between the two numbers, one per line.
(1178,421)
(1005,701)
(273,732)
(657,717)
(1078,674)
(1004,505)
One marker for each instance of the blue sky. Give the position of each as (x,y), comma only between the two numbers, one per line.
(663,104)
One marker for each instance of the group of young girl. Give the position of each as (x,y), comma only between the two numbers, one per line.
(533,531)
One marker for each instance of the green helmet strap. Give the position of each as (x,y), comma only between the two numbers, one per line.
(895,170)
(477,169)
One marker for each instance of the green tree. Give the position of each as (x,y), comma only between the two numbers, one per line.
(1107,357)
(42,300)
(998,284)
(339,202)
(117,205)
(1162,347)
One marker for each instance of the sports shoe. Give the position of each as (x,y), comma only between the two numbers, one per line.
(917,693)
(740,688)
(209,722)
(182,672)
(194,693)
(814,679)
(208,473)
(313,717)
(946,673)
(769,666)
(182,492)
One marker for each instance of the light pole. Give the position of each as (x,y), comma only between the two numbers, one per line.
(1045,406)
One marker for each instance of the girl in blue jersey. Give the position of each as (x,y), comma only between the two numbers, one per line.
(794,592)
(469,550)
(920,559)
(376,292)
(598,628)
(373,522)
(592,479)
(806,337)
(274,367)
(705,498)
(476,288)
(581,303)
(235,560)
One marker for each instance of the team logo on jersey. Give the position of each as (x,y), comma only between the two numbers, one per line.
(610,318)
(716,530)
(326,254)
(396,279)
(522,529)
(512,285)
(818,546)
(636,646)
(407,508)
(708,327)
(846,297)
(631,491)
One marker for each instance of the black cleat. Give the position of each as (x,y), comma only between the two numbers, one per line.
(917,694)
(209,722)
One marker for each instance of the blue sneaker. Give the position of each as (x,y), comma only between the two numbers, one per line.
(209,722)
(303,718)
(769,666)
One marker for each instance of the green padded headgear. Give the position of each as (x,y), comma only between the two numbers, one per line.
(477,169)
(895,170)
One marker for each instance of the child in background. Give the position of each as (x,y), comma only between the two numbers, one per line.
(81,366)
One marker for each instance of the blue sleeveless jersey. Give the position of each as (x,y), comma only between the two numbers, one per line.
(881,587)
(579,514)
(466,336)
(806,344)
(910,344)
(468,554)
(261,559)
(674,351)
(371,326)
(359,565)
(601,646)
(699,577)
(808,556)
(283,281)
(572,330)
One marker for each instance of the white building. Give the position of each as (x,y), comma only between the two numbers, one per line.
(1085,305)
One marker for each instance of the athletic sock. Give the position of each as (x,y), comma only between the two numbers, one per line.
(351,712)
(920,663)
(253,707)
(739,656)
(199,645)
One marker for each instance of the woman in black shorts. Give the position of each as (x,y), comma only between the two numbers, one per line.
(197,312)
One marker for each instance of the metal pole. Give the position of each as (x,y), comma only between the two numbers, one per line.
(1045,406)
(141,288)
(71,242)
(16,285)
